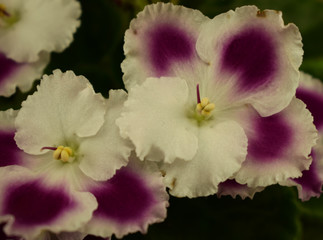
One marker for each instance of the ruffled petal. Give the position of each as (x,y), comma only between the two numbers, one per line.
(155,120)
(39,26)
(310,91)
(232,188)
(133,199)
(31,204)
(160,42)
(22,75)
(63,108)
(103,154)
(311,182)
(278,146)
(222,149)
(254,57)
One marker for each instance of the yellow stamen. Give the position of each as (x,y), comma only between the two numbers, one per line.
(63,153)
(205,108)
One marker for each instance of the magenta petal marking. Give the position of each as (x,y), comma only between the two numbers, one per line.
(168,44)
(314,103)
(310,180)
(33,204)
(124,198)
(9,152)
(271,136)
(7,67)
(250,54)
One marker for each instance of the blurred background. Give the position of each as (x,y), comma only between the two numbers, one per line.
(275,213)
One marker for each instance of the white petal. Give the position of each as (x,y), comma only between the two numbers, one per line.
(63,108)
(41,26)
(254,57)
(161,42)
(232,188)
(155,120)
(278,146)
(106,152)
(132,200)
(222,149)
(30,204)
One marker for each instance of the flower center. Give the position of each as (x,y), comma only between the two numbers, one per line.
(64,154)
(6,18)
(203,107)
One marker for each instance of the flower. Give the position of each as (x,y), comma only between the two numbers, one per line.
(192,81)
(29,27)
(310,183)
(29,31)
(70,175)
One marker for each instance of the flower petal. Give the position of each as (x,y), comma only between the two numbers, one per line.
(103,154)
(64,107)
(311,182)
(40,26)
(134,198)
(254,55)
(10,154)
(278,146)
(232,188)
(31,204)
(222,149)
(22,75)
(161,41)
(155,120)
(310,92)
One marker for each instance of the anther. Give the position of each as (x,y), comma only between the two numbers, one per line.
(62,153)
(203,106)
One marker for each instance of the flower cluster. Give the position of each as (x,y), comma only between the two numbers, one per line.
(214,106)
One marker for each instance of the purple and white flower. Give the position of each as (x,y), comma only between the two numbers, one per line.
(201,92)
(310,183)
(70,173)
